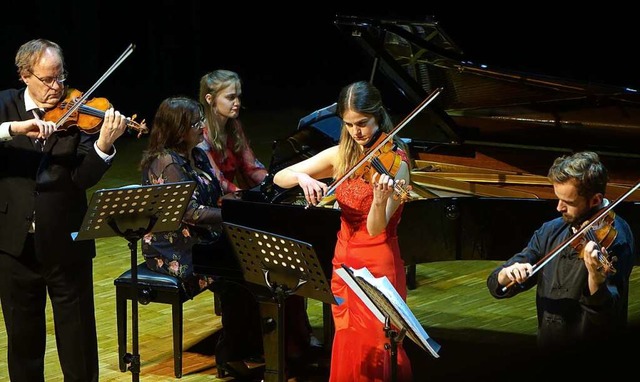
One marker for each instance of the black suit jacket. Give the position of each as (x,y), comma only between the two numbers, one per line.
(51,182)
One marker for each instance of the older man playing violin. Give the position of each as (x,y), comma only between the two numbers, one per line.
(582,291)
(44,176)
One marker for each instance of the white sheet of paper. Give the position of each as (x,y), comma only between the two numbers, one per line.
(400,314)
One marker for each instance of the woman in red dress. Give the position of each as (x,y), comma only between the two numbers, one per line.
(367,237)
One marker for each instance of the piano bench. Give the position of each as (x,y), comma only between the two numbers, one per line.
(152,287)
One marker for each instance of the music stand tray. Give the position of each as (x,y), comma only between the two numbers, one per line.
(132,212)
(285,266)
(132,208)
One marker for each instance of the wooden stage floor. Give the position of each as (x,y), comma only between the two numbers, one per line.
(477,332)
(482,338)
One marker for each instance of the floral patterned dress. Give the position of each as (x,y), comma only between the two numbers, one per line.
(171,252)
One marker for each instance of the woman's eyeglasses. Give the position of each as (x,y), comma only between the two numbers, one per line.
(49,81)
(199,124)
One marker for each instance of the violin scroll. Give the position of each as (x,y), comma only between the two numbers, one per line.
(140,127)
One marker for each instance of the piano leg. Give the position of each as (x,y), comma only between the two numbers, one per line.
(410,271)
(327,326)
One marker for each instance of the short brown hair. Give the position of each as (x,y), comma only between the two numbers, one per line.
(585,168)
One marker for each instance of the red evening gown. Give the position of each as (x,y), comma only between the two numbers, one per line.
(358,352)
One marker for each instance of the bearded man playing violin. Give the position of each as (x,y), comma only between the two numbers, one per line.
(582,290)
(44,176)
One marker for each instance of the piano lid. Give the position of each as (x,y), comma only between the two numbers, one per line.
(491,106)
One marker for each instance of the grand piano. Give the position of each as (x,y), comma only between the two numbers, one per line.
(480,151)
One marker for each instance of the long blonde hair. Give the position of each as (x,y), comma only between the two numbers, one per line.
(364,98)
(212,83)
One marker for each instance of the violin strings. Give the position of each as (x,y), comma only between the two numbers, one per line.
(377,165)
(92,111)
(591,236)
(100,114)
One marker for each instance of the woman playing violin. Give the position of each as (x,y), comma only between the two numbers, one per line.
(44,177)
(578,298)
(367,237)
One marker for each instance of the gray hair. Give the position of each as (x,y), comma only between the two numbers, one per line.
(30,52)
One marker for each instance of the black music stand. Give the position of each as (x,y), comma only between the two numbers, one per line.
(379,295)
(132,212)
(285,266)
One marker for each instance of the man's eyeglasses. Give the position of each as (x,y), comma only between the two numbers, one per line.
(199,124)
(49,81)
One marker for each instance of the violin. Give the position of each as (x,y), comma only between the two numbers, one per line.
(87,116)
(604,234)
(386,161)
(382,148)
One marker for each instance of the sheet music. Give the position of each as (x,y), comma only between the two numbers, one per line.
(379,295)
(347,276)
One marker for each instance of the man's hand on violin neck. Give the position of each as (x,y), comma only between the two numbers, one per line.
(593,257)
(113,127)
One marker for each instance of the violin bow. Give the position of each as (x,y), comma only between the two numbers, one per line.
(603,212)
(372,150)
(86,94)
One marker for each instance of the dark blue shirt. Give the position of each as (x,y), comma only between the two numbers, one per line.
(566,311)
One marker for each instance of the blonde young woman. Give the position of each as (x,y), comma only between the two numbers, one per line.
(224,140)
(228,149)
(367,237)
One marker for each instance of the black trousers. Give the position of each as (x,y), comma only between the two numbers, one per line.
(24,284)
(241,335)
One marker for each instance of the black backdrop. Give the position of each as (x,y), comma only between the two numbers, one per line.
(295,57)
